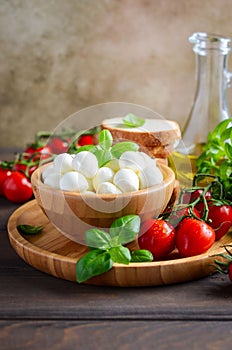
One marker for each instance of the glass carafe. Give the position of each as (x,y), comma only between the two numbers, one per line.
(209,107)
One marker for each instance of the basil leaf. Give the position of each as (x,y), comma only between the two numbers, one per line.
(123,230)
(103,157)
(90,148)
(119,148)
(141,255)
(29,230)
(228,150)
(92,264)
(105,139)
(120,255)
(97,238)
(220,128)
(133,121)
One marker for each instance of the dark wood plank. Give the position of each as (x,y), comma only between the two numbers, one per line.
(141,335)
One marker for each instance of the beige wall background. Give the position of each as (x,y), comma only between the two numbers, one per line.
(58,57)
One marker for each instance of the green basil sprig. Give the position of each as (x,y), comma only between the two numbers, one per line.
(29,230)
(106,151)
(107,248)
(216,158)
(133,121)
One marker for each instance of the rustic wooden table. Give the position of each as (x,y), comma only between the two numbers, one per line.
(40,311)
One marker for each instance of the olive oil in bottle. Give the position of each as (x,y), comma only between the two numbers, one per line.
(209,107)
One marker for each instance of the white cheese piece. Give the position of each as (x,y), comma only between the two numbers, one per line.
(106,188)
(86,163)
(53,180)
(132,160)
(103,174)
(47,171)
(148,161)
(126,180)
(150,176)
(73,181)
(63,163)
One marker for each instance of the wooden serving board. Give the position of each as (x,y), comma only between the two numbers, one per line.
(53,253)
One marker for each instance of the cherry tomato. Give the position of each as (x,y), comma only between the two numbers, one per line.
(230,271)
(220,217)
(38,152)
(192,196)
(20,167)
(85,140)
(58,145)
(176,216)
(194,237)
(17,188)
(4,173)
(158,236)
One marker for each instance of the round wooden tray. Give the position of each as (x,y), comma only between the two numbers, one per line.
(53,253)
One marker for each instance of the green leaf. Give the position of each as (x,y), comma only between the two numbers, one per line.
(119,148)
(103,157)
(105,139)
(92,264)
(228,150)
(141,255)
(120,255)
(29,230)
(220,128)
(133,121)
(227,135)
(123,230)
(90,148)
(97,238)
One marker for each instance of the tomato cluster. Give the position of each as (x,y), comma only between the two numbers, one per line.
(191,228)
(15,175)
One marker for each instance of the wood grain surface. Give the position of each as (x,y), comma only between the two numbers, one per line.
(115,335)
(54,253)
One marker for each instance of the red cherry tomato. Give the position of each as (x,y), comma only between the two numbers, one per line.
(85,140)
(58,145)
(38,152)
(192,196)
(158,236)
(176,216)
(17,188)
(194,237)
(20,167)
(4,173)
(220,217)
(230,271)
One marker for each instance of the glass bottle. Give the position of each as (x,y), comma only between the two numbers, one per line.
(209,107)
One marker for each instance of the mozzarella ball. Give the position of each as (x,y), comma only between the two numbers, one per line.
(131,160)
(63,163)
(73,181)
(103,174)
(126,180)
(47,171)
(150,176)
(106,188)
(86,163)
(53,180)
(148,161)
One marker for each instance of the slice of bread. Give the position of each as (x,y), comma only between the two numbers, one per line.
(156,135)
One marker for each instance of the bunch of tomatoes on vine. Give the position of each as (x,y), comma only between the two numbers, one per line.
(15,175)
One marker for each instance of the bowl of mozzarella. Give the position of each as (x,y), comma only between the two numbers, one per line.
(76,194)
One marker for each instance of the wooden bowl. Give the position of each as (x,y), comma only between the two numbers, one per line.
(73,213)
